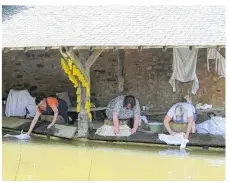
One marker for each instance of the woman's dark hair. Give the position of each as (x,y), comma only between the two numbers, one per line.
(39,99)
(129,99)
(183,100)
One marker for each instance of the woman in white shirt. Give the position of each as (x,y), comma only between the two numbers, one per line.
(181,112)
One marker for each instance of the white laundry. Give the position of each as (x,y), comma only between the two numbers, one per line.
(18,101)
(184,67)
(32,107)
(107,130)
(203,107)
(21,136)
(220,65)
(215,126)
(144,118)
(213,53)
(177,139)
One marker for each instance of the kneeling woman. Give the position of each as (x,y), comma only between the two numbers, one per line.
(123,108)
(50,106)
(181,112)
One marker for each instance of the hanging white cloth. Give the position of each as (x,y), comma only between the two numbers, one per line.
(177,139)
(220,65)
(213,53)
(18,101)
(107,130)
(184,67)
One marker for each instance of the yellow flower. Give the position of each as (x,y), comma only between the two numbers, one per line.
(71,70)
(70,65)
(90,117)
(78,99)
(78,108)
(74,71)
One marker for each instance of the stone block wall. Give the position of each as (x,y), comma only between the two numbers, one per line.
(147,73)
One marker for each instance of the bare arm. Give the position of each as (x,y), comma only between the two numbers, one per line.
(33,123)
(115,119)
(166,124)
(115,123)
(189,128)
(136,121)
(55,110)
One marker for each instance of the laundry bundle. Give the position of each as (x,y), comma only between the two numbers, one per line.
(203,107)
(22,136)
(214,126)
(177,139)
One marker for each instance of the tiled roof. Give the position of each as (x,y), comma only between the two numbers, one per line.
(114,26)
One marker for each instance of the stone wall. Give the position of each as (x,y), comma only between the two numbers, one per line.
(37,71)
(147,73)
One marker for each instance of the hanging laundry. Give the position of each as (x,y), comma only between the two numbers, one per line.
(213,53)
(220,65)
(177,139)
(184,67)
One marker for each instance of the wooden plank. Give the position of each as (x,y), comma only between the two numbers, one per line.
(93,58)
(142,137)
(57,131)
(40,128)
(150,113)
(13,122)
(121,58)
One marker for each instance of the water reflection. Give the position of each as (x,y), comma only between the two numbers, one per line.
(174,152)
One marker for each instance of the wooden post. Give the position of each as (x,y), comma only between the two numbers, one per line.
(121,58)
(83,118)
(93,58)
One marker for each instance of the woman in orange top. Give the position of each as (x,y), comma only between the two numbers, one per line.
(50,106)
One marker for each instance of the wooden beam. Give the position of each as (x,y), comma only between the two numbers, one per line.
(95,54)
(117,47)
(47,49)
(5,50)
(83,119)
(121,58)
(26,49)
(68,53)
